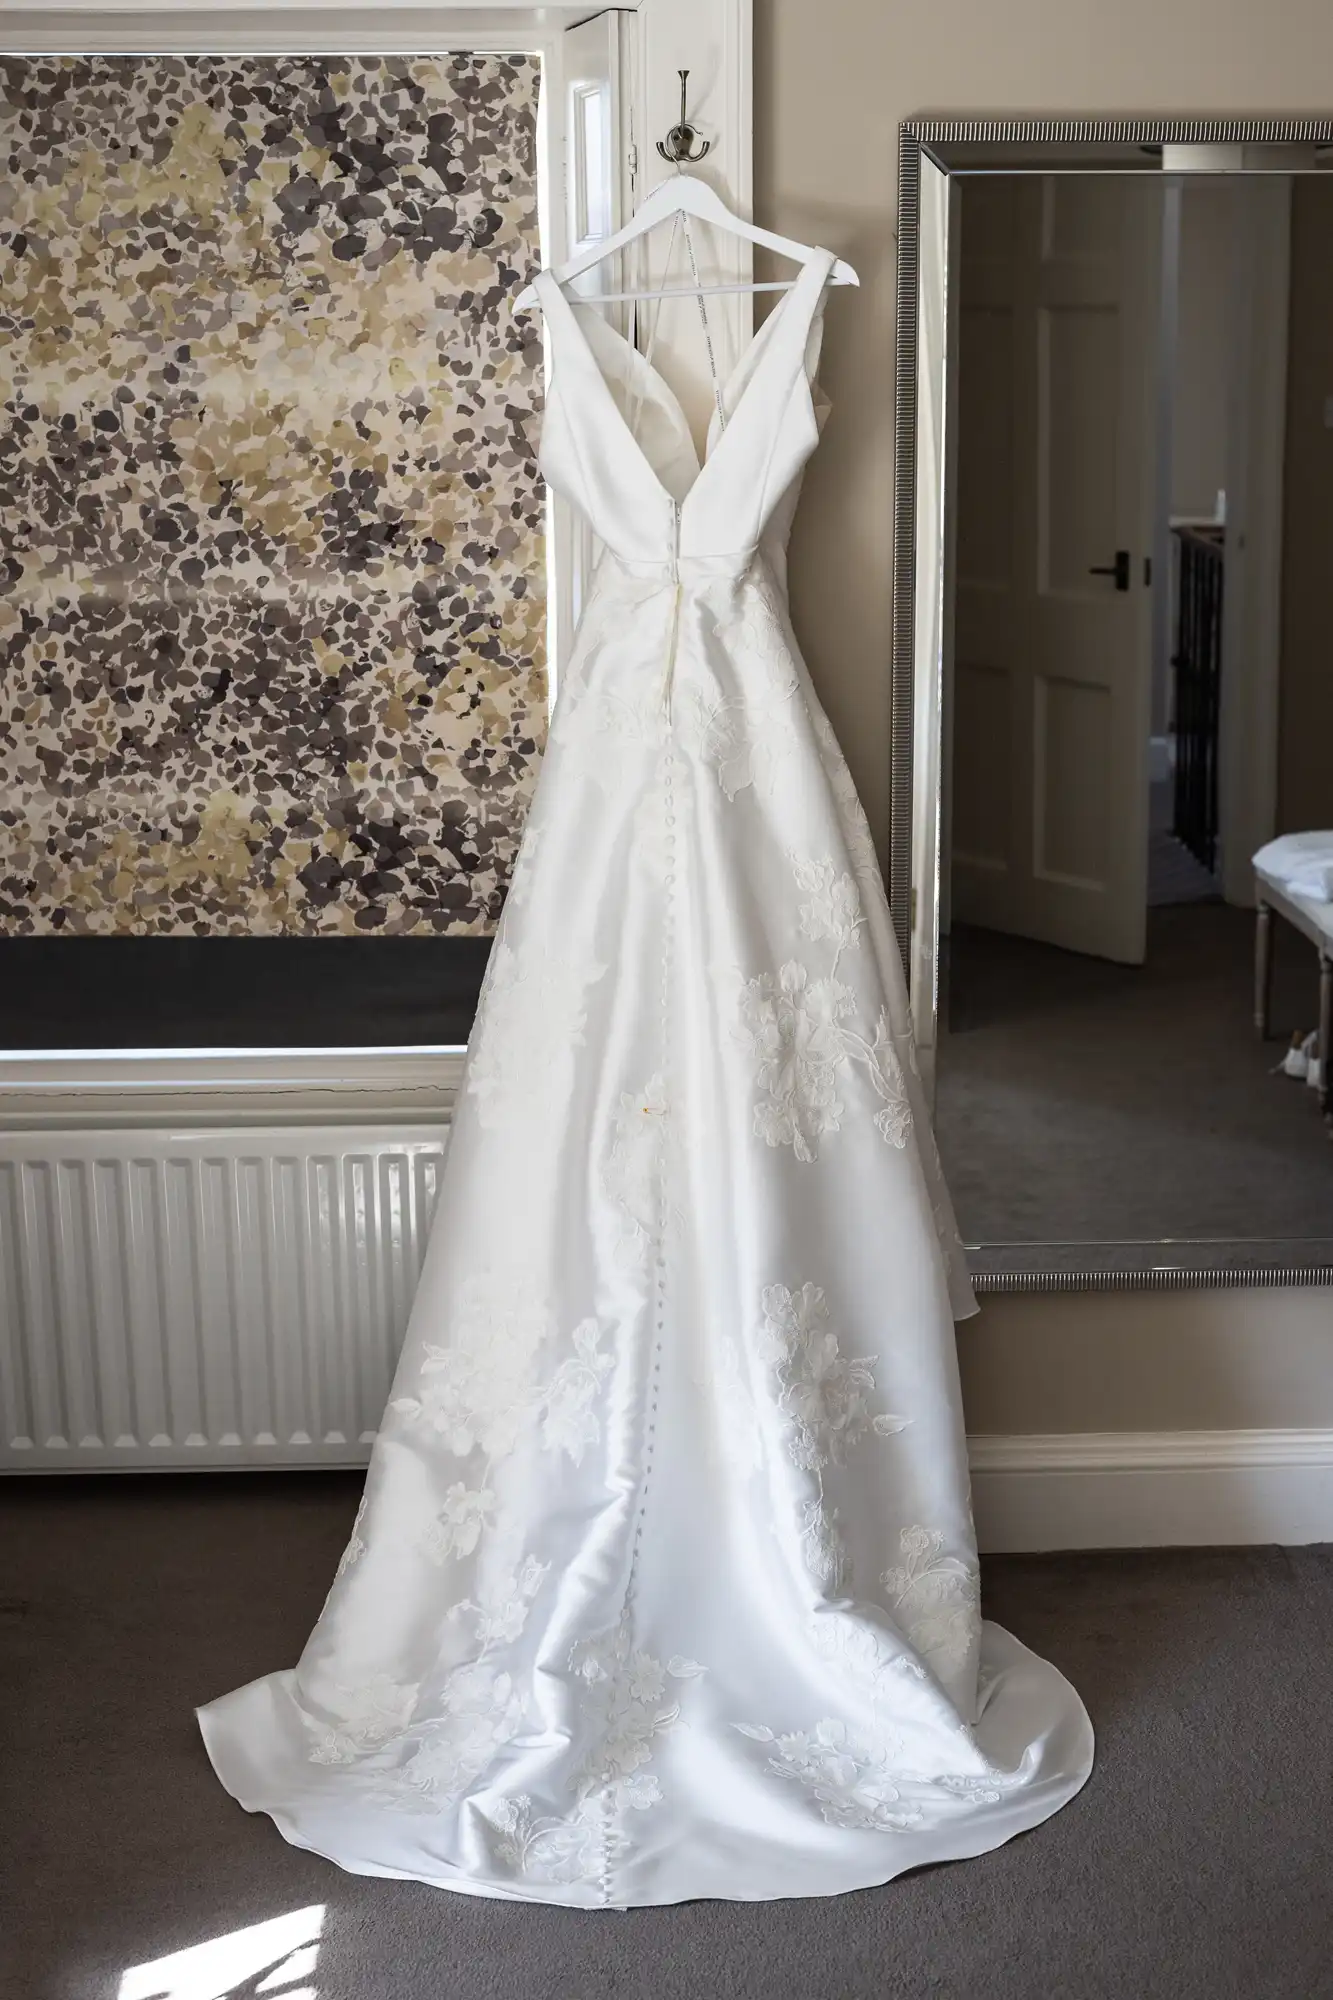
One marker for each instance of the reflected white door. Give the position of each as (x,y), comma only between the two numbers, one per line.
(1052,657)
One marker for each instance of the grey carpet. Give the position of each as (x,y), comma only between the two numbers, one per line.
(1198,1861)
(1174,876)
(1080,1101)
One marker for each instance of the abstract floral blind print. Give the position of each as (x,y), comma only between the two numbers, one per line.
(272,623)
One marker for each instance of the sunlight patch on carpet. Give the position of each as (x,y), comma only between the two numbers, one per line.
(275,1959)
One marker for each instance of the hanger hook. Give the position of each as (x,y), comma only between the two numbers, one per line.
(679,142)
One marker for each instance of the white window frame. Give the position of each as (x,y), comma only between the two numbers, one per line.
(712,39)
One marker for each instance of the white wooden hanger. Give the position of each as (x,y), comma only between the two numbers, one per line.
(687,195)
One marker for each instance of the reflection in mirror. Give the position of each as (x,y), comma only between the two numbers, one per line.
(1135,863)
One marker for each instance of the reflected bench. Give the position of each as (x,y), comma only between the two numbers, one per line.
(1313,920)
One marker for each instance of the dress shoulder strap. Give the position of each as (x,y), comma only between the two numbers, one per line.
(779,349)
(802,303)
(557,312)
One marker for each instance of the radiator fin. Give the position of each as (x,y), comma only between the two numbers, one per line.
(206,1299)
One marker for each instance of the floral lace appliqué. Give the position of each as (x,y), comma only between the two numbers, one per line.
(742,738)
(598,713)
(935,1598)
(745,738)
(860,1777)
(823,1401)
(793,1024)
(852,815)
(863,1655)
(628,1706)
(893,1121)
(852,1780)
(476,1713)
(531,1015)
(632,1178)
(356,1546)
(519,893)
(568,1422)
(456,1530)
(802,1027)
(476,1391)
(500,1609)
(408,1767)
(480,1391)
(544,1847)
(822,1545)
(367,1717)
(833,908)
(479,1395)
(822,1394)
(860,1781)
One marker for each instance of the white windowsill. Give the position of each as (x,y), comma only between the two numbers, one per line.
(47,1088)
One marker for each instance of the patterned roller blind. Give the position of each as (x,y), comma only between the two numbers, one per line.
(272,618)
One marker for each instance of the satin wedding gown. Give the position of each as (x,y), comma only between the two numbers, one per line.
(664,1584)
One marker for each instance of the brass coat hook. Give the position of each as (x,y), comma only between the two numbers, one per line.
(678,144)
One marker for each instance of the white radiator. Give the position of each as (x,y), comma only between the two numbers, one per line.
(205,1298)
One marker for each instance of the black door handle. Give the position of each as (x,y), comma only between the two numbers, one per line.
(1119,569)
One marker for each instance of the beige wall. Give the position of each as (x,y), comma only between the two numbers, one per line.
(1305,717)
(1146,1361)
(832,82)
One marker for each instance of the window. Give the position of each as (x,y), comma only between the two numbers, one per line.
(272,542)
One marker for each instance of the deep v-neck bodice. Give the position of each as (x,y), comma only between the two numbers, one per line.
(644,506)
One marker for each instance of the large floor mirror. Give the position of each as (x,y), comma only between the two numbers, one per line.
(1113,691)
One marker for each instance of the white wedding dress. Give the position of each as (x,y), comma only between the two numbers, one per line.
(665,1583)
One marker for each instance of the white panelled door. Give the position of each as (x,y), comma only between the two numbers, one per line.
(1052,639)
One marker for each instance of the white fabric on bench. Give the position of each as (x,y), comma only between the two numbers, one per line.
(1310,916)
(1300,863)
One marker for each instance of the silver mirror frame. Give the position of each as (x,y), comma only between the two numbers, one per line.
(932,152)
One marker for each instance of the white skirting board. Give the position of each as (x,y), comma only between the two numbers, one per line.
(1152,1489)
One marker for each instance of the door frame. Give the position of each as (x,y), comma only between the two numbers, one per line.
(1252,604)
